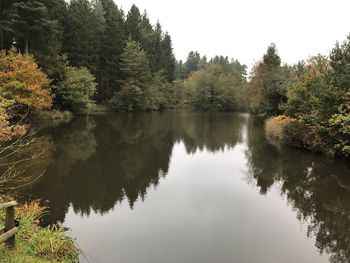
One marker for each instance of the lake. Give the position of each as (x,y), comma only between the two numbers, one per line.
(190,187)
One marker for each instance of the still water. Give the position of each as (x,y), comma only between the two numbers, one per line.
(191,187)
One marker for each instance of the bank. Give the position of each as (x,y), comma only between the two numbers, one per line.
(35,244)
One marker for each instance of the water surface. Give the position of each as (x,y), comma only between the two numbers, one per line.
(191,187)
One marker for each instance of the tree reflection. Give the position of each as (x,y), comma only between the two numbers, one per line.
(105,160)
(317,187)
(93,164)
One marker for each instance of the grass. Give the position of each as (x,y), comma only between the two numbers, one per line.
(35,244)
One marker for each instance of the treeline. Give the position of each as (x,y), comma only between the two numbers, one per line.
(91,51)
(308,104)
(88,49)
(218,84)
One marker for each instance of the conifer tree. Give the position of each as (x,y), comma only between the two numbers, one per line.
(168,60)
(135,68)
(113,43)
(31,21)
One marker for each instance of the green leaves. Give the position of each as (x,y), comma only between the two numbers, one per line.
(316,93)
(77,89)
(213,88)
(135,68)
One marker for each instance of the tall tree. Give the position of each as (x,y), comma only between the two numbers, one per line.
(32,20)
(83,34)
(168,61)
(112,47)
(135,68)
(269,84)
(191,63)
(7,16)
(271,58)
(133,24)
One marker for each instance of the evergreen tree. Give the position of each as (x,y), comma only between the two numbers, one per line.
(133,24)
(269,84)
(83,35)
(156,54)
(147,41)
(112,47)
(179,70)
(271,58)
(168,61)
(7,16)
(203,62)
(32,21)
(191,63)
(135,68)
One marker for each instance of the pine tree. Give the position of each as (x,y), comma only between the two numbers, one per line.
(83,35)
(7,15)
(168,60)
(134,64)
(32,21)
(133,24)
(112,47)
(135,68)
(191,63)
(271,58)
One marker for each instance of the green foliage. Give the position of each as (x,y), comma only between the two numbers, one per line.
(36,244)
(271,58)
(113,43)
(135,68)
(191,64)
(75,92)
(84,33)
(314,94)
(7,16)
(215,88)
(269,84)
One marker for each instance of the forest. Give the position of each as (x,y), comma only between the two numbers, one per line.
(77,55)
(90,58)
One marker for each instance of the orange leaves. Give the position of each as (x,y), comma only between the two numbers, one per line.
(22,81)
(7,131)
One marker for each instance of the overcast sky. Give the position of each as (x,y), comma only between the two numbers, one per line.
(243,29)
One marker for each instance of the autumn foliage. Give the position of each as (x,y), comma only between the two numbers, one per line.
(22,82)
(8,131)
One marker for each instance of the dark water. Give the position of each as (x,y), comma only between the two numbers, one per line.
(191,187)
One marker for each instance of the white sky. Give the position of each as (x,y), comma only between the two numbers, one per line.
(243,29)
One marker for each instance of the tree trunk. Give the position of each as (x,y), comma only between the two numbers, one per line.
(2,39)
(27,41)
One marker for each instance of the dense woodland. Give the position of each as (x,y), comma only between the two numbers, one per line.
(74,55)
